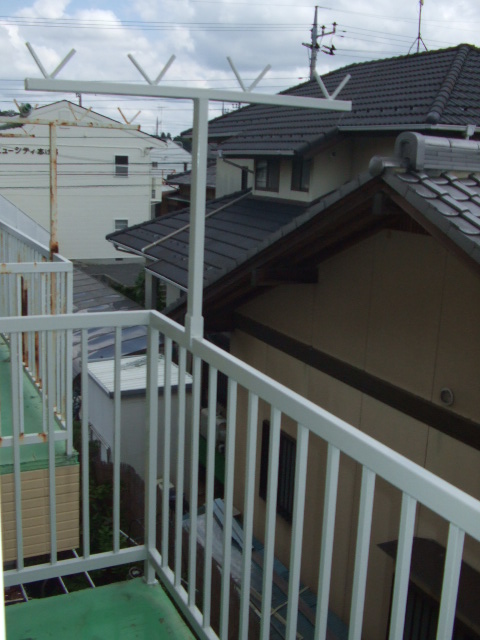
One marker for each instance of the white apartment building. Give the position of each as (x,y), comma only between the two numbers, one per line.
(107,177)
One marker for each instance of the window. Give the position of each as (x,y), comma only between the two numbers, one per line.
(154,165)
(267,174)
(300,174)
(244,179)
(121,223)
(286,471)
(121,165)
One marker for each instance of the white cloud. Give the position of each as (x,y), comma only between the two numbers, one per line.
(201,34)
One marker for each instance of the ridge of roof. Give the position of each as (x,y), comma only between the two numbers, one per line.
(424,90)
(440,101)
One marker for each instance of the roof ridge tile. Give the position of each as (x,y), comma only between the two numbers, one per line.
(435,114)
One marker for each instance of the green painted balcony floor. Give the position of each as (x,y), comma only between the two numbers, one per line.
(32,456)
(128,610)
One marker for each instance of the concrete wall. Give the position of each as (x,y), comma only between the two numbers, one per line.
(35,512)
(403,309)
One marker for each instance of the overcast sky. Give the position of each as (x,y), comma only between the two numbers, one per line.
(201,33)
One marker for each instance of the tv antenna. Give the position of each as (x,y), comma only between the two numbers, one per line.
(419,38)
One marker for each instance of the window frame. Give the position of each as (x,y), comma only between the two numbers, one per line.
(271,167)
(301,169)
(121,166)
(286,471)
(123,225)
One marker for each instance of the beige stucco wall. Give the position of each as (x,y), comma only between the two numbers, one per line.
(400,307)
(35,512)
(330,168)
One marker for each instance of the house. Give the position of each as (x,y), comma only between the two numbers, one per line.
(178,196)
(109,175)
(359,290)
(171,160)
(334,461)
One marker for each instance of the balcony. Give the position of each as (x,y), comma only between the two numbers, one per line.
(162,542)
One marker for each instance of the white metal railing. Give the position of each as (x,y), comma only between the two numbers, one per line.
(32,284)
(459,511)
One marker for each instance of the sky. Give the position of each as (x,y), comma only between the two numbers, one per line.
(201,34)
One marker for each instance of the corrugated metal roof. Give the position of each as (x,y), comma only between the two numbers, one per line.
(133,374)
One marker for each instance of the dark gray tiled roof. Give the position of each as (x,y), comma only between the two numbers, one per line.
(244,228)
(240,228)
(429,88)
(186,177)
(449,202)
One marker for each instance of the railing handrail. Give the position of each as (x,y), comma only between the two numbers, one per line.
(453,504)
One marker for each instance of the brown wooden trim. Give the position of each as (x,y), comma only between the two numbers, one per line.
(444,420)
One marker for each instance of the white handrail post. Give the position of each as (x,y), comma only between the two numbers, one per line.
(194,317)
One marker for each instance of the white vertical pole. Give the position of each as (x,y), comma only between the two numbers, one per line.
(270,521)
(326,549)
(151,434)
(249,498)
(228,501)
(402,567)
(361,553)
(194,318)
(451,577)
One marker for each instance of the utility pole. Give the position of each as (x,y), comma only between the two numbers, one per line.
(314,46)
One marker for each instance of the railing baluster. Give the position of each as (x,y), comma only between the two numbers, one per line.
(179,486)
(228,505)
(248,513)
(451,577)
(402,567)
(151,434)
(326,549)
(361,553)
(192,551)
(16,366)
(270,521)
(51,358)
(167,428)
(85,447)
(210,477)
(297,530)
(117,400)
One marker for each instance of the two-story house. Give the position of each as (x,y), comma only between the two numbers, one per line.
(358,289)
(108,175)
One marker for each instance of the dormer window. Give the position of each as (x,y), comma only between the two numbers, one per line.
(267,174)
(301,174)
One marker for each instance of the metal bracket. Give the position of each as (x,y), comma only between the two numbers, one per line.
(75,115)
(324,88)
(160,75)
(240,81)
(42,68)
(131,119)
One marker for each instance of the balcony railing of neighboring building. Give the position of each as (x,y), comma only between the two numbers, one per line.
(33,284)
(251,397)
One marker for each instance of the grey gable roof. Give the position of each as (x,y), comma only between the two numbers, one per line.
(417,91)
(236,226)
